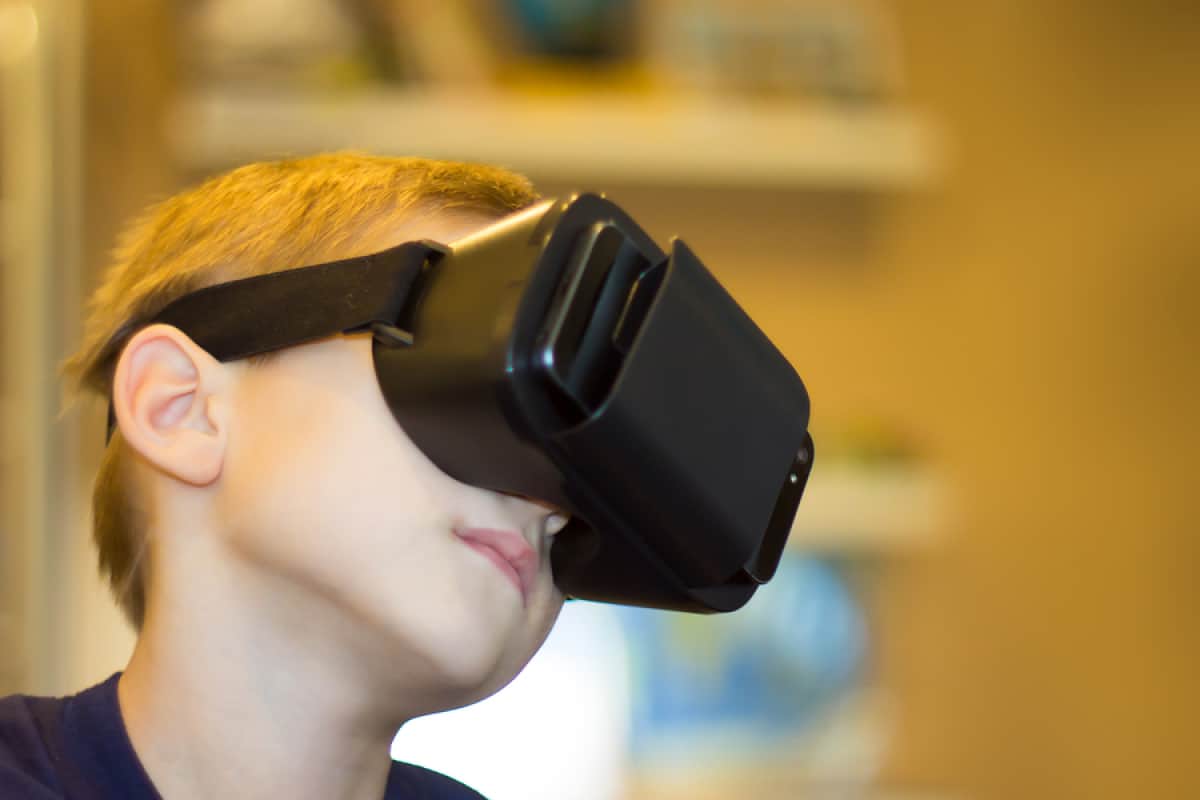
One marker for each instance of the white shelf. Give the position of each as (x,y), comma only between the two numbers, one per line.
(870,510)
(604,137)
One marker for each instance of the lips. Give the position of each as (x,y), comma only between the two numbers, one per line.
(509,552)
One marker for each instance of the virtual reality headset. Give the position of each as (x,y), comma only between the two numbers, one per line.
(559,354)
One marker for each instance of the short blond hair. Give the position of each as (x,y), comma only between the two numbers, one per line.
(254,220)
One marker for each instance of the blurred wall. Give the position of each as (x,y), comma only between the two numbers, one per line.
(1035,317)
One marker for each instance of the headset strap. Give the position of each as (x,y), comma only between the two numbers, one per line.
(257,315)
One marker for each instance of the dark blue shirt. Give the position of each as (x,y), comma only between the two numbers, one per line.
(77,747)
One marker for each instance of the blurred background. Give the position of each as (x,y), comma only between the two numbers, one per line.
(970,226)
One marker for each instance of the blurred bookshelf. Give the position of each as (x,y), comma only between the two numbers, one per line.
(613,137)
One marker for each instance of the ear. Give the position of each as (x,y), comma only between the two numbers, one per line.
(171,400)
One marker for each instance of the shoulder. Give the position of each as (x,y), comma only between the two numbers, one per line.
(28,726)
(410,782)
(14,783)
(72,746)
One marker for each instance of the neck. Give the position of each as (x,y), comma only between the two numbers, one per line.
(237,699)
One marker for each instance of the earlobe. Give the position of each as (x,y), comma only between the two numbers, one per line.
(168,399)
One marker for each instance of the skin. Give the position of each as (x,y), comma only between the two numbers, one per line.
(307,592)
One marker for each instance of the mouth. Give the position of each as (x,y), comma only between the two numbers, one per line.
(509,553)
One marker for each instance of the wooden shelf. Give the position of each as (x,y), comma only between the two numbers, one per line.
(860,510)
(591,138)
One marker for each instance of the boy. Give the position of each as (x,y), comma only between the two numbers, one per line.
(301,576)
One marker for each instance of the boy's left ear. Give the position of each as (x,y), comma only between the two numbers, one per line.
(171,400)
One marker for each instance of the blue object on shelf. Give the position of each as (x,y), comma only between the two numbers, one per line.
(749,678)
(576,29)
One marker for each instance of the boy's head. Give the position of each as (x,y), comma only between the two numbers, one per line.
(283,483)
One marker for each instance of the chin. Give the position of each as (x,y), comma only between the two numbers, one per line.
(475,660)
(472,677)
(461,647)
(479,672)
(471,673)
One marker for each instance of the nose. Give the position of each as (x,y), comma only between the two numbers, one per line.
(546,518)
(554,522)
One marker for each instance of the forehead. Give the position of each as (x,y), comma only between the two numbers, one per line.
(440,226)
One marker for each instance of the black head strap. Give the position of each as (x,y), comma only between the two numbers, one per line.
(264,313)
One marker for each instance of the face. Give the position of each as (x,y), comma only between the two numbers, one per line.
(322,488)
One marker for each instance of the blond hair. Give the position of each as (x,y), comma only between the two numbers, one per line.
(254,220)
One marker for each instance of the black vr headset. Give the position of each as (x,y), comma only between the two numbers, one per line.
(561,355)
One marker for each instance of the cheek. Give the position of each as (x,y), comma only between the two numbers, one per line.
(318,478)
(322,486)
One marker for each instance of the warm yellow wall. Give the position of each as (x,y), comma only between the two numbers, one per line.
(1056,282)
(1032,321)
